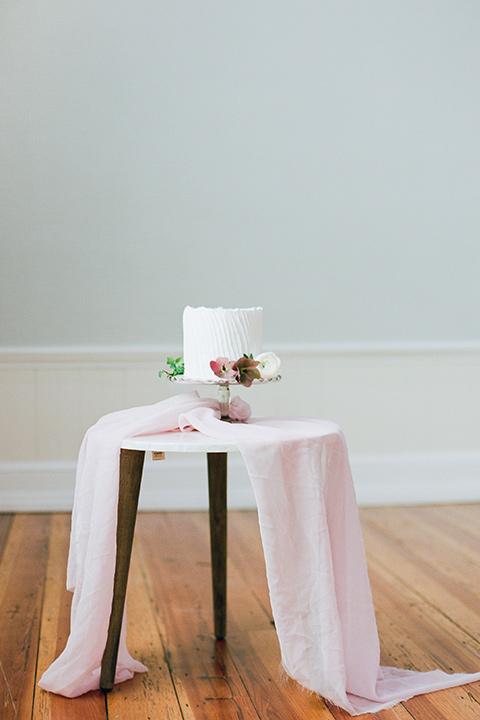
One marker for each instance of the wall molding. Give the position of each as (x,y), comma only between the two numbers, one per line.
(180,482)
(155,353)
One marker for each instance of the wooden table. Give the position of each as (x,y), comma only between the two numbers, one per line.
(132,456)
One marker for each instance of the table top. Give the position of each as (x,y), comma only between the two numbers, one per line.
(179,442)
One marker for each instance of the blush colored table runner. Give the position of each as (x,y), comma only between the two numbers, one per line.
(312,541)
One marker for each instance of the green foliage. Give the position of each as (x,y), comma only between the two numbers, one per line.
(176,367)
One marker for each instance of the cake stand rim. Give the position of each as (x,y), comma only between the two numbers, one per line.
(225,383)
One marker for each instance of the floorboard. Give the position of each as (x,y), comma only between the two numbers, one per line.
(55,624)
(22,574)
(424,573)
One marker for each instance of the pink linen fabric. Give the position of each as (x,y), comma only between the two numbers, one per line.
(312,541)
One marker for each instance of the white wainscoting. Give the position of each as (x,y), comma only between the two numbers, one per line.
(411,416)
(180,483)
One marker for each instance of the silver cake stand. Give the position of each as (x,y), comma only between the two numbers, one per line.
(223,388)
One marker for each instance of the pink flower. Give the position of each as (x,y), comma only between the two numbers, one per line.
(223,368)
(239,410)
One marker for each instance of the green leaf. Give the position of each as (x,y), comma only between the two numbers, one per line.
(176,365)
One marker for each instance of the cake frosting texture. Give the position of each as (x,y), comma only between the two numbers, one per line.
(209,333)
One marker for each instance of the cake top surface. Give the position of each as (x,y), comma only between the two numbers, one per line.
(221,309)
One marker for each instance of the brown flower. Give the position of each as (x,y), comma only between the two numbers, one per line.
(246,370)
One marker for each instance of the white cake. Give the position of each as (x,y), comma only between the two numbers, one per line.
(209,333)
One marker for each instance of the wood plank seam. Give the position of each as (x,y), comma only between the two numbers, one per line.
(390,570)
(160,630)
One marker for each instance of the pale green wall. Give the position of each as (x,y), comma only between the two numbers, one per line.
(318,158)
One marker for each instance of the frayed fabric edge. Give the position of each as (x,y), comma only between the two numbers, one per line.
(285,678)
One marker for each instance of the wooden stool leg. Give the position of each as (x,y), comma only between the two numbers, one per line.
(131,467)
(217,490)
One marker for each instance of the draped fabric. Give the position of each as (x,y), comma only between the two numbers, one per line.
(312,541)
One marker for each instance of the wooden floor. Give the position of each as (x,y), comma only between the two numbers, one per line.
(425,575)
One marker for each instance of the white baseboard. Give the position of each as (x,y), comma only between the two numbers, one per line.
(416,479)
(179,483)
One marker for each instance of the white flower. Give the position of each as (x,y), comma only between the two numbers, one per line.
(269,365)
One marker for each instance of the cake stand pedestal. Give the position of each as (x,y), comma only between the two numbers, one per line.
(223,389)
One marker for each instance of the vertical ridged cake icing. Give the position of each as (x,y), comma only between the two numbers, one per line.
(209,333)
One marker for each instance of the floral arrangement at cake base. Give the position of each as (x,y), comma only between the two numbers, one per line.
(243,371)
(247,368)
